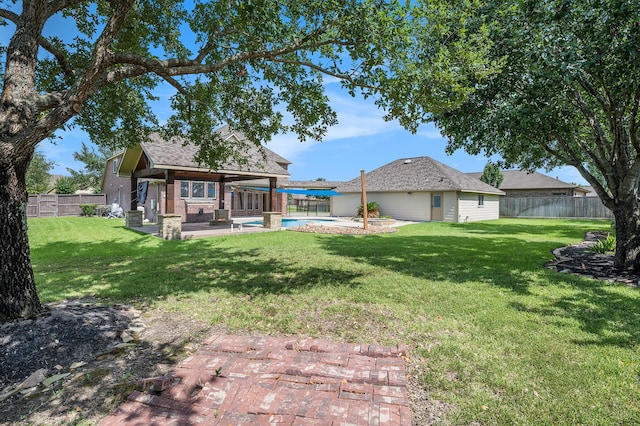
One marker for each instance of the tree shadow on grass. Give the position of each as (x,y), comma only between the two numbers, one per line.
(451,258)
(565,229)
(173,268)
(608,312)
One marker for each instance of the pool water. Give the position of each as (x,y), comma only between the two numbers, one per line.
(292,223)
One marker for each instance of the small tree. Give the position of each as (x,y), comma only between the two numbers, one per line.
(65,185)
(38,176)
(94,162)
(491,175)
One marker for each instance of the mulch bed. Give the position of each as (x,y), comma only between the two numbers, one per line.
(580,259)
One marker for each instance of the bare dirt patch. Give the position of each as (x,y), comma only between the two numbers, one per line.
(85,368)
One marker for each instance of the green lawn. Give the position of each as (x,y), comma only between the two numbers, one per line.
(503,339)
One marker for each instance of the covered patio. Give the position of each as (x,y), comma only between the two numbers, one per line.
(171,166)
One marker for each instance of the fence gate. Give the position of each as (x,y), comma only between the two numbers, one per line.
(48,205)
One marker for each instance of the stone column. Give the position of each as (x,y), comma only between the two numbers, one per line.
(222,215)
(133,219)
(272,220)
(170,226)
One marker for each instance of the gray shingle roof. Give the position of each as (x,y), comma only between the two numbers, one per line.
(417,174)
(315,184)
(175,154)
(522,179)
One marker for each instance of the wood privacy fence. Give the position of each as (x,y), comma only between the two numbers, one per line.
(54,205)
(554,207)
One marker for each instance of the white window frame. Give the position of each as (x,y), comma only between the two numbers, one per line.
(192,192)
(185,184)
(215,190)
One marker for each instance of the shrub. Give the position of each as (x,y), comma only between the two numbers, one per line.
(88,209)
(373,209)
(606,245)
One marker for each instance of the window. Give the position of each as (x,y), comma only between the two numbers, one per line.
(197,189)
(115,166)
(240,199)
(480,200)
(250,201)
(436,201)
(184,189)
(256,205)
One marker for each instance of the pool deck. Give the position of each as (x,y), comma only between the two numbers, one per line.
(239,226)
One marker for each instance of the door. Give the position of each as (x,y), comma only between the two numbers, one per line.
(436,206)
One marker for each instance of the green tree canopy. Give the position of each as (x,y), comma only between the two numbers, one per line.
(38,176)
(568,93)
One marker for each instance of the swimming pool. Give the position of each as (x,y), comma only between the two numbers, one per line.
(290,223)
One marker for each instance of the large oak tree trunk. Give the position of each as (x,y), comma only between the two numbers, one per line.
(627,217)
(18,297)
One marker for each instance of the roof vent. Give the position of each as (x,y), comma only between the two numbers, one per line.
(407,161)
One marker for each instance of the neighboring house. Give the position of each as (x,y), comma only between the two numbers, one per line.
(521,183)
(174,183)
(421,189)
(590,191)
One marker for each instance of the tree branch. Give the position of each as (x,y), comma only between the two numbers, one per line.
(602,143)
(101,58)
(590,89)
(58,5)
(323,70)
(9,15)
(167,68)
(633,122)
(59,55)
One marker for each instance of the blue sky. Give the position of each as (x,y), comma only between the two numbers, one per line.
(361,141)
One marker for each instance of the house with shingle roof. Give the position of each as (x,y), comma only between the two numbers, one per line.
(522,183)
(421,189)
(175,183)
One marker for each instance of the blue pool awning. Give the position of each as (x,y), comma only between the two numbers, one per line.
(317,192)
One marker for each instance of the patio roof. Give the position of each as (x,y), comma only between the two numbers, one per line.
(175,159)
(153,158)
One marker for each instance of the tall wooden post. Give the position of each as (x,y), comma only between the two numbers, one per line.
(221,194)
(273,195)
(133,196)
(169,202)
(365,211)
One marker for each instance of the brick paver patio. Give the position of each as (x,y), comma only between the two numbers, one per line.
(265,380)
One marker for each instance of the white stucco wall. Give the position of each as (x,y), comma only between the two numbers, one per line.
(402,205)
(416,206)
(470,211)
(399,205)
(345,205)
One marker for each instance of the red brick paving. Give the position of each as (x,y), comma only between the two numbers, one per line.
(266,381)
